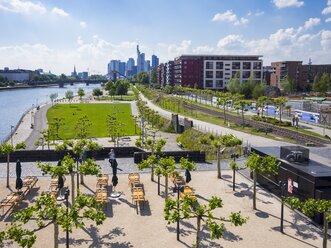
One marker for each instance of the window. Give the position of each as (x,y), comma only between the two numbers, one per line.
(246,65)
(257,65)
(209,65)
(219,83)
(209,83)
(257,74)
(209,74)
(219,74)
(246,74)
(219,65)
(235,65)
(234,73)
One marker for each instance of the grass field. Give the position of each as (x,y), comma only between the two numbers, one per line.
(96,113)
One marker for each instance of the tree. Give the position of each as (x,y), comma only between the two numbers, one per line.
(69,95)
(234,84)
(46,211)
(223,101)
(80,148)
(82,127)
(259,90)
(154,77)
(7,149)
(165,167)
(53,97)
(80,93)
(261,165)
(122,87)
(310,207)
(287,85)
(280,103)
(113,127)
(97,92)
(188,208)
(321,83)
(242,105)
(143,78)
(263,101)
(224,141)
(55,124)
(63,77)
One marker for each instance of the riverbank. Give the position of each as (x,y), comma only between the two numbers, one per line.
(27,87)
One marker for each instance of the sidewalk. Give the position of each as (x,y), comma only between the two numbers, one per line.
(125,228)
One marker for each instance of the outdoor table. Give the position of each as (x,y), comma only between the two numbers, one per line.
(133,178)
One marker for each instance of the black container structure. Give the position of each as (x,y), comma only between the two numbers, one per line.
(304,178)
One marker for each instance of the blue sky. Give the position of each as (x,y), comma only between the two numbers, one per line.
(56,35)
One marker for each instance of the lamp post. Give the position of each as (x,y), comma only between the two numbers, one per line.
(234,156)
(282,186)
(178,188)
(66,196)
(11,134)
(32,116)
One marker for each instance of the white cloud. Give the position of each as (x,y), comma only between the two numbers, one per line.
(288,3)
(326,10)
(229,16)
(184,47)
(203,50)
(328,19)
(259,13)
(59,12)
(22,7)
(326,39)
(83,24)
(312,22)
(229,41)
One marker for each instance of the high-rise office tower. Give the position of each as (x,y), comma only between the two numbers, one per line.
(155,61)
(140,61)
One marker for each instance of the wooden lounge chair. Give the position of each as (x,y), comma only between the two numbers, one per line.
(133,178)
(28,183)
(102,181)
(188,191)
(12,200)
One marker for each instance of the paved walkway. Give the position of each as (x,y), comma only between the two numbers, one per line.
(124,227)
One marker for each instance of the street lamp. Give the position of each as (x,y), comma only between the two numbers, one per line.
(234,156)
(32,116)
(282,186)
(66,196)
(11,134)
(178,188)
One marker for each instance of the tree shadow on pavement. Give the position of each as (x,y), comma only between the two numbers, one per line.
(100,241)
(145,209)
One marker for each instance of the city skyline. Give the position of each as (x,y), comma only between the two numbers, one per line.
(56,36)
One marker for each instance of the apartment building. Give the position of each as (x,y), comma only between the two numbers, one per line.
(215,71)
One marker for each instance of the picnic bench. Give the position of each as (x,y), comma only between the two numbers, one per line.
(177,180)
(188,191)
(102,181)
(12,200)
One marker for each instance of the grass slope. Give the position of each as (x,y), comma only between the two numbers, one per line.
(97,114)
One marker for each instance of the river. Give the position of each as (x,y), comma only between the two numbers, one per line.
(14,102)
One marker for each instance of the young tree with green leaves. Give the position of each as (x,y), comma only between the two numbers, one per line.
(222,100)
(80,93)
(69,95)
(97,92)
(45,212)
(7,149)
(242,105)
(165,167)
(234,84)
(55,125)
(189,209)
(287,85)
(280,103)
(224,141)
(266,165)
(53,97)
(82,127)
(311,207)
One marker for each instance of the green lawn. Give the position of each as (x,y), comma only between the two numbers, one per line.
(97,114)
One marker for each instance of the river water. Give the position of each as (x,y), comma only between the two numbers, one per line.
(14,102)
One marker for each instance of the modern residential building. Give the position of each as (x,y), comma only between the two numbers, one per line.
(215,71)
(19,75)
(169,73)
(161,75)
(301,75)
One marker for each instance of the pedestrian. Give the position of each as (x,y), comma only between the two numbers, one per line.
(111,157)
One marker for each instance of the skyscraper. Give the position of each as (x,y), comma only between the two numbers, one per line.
(155,61)
(140,61)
